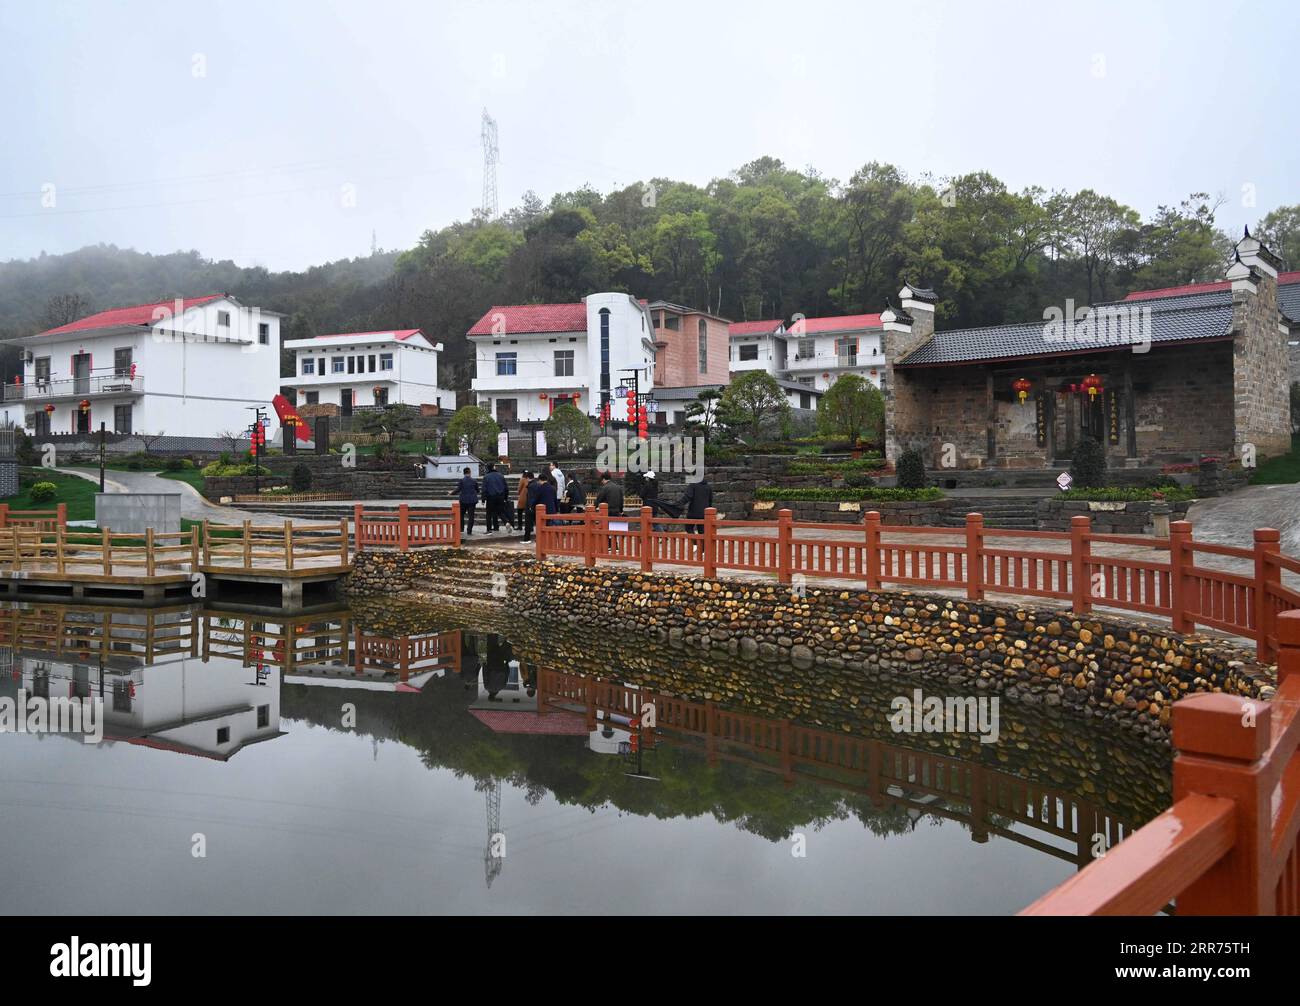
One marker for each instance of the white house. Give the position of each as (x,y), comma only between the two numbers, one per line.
(368,368)
(529,358)
(187,368)
(823,349)
(758,345)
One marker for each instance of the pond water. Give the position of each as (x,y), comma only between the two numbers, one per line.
(415,761)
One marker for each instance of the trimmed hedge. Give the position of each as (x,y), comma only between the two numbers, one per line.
(848,495)
(1116,494)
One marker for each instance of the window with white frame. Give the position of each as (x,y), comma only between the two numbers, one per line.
(704,346)
(507,364)
(564,363)
(748,351)
(308,365)
(337,365)
(807,348)
(385,361)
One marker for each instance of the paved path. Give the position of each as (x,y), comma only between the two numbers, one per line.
(193,505)
(1232,519)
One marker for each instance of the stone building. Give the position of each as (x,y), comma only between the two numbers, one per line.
(1166,377)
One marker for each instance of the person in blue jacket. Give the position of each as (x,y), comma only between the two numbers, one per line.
(467,493)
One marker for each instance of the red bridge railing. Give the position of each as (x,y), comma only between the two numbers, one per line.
(1166,578)
(404,528)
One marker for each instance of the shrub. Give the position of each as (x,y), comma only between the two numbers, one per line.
(174,465)
(1127,494)
(44,492)
(300,480)
(858,480)
(911,470)
(1089,464)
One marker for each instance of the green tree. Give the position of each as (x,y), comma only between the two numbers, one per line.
(701,415)
(568,429)
(474,426)
(751,403)
(1280,231)
(389,424)
(851,407)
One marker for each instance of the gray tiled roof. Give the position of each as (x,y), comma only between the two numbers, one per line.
(1173,319)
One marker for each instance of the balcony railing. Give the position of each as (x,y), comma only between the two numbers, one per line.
(76,387)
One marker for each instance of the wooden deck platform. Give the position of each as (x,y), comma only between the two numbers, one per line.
(201,563)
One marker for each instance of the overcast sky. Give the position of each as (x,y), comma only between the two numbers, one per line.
(284,133)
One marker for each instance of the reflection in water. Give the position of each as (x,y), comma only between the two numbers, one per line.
(480,711)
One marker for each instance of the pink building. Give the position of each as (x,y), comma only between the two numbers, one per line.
(691,347)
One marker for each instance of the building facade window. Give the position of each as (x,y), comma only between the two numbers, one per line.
(42,370)
(371,361)
(672,322)
(385,361)
(846,349)
(352,364)
(604,355)
(122,419)
(264,333)
(337,366)
(807,349)
(704,346)
(122,362)
(308,365)
(381,396)
(564,363)
(507,364)
(223,319)
(41,423)
(748,352)
(507,410)
(313,398)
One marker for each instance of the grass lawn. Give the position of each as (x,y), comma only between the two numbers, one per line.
(77,493)
(191,475)
(1281,470)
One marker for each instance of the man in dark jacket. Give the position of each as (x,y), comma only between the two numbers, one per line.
(697,498)
(530,507)
(467,493)
(575,494)
(494,497)
(611,493)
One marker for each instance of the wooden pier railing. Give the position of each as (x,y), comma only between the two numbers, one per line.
(1228,845)
(1167,578)
(405,528)
(286,546)
(41,520)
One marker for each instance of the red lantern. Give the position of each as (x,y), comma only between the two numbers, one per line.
(576,396)
(84,405)
(49,410)
(1092,384)
(1022,386)
(542,396)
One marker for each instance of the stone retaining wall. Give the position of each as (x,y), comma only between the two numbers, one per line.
(927,513)
(1126,671)
(1138,517)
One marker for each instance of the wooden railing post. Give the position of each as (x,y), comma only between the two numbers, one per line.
(343,540)
(1267,575)
(1220,739)
(871,548)
(207,544)
(647,541)
(360,541)
(1080,578)
(194,552)
(4,514)
(590,521)
(539,527)
(710,557)
(288,544)
(63,514)
(1180,557)
(148,552)
(1288,645)
(403,526)
(455,523)
(106,550)
(975,557)
(248,544)
(784,545)
(59,535)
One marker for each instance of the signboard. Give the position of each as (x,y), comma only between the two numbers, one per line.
(652,406)
(1112,417)
(1065,480)
(1040,419)
(540,448)
(503,444)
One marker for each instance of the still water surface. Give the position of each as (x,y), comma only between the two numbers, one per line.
(321,766)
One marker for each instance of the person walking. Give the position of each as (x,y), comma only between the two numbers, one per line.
(467,493)
(494,497)
(575,495)
(697,498)
(559,478)
(547,495)
(521,499)
(530,505)
(611,494)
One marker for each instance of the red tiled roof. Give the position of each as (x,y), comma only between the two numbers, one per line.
(137,314)
(519,319)
(840,323)
(401,334)
(754,327)
(1283,278)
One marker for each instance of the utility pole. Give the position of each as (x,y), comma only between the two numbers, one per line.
(488,134)
(101,455)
